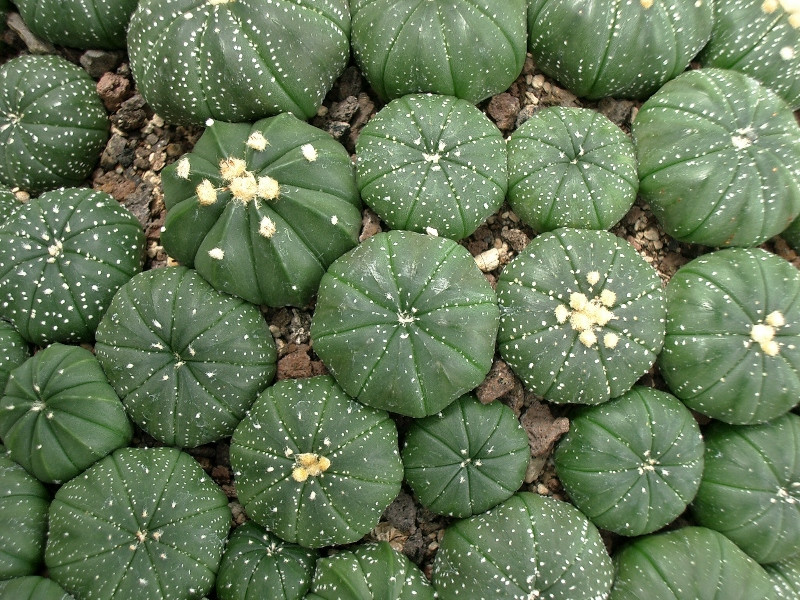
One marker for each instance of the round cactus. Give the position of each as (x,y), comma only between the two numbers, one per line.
(466,459)
(261,210)
(528,547)
(582,316)
(257,564)
(32,587)
(237,61)
(186,360)
(79,23)
(24,502)
(53,124)
(719,159)
(617,48)
(692,563)
(751,486)
(314,466)
(571,167)
(13,351)
(732,349)
(785,577)
(633,464)
(369,572)
(59,415)
(140,523)
(406,322)
(760,39)
(8,203)
(63,255)
(428,162)
(463,48)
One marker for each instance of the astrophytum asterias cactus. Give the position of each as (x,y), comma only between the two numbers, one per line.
(13,351)
(32,587)
(785,577)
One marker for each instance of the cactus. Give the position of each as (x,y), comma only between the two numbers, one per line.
(406,322)
(237,61)
(732,350)
(460,48)
(63,255)
(571,167)
(8,203)
(312,465)
(528,547)
(428,162)
(785,577)
(13,352)
(187,361)
(466,459)
(59,415)
(140,523)
(628,49)
(582,316)
(719,159)
(633,464)
(32,587)
(261,210)
(53,124)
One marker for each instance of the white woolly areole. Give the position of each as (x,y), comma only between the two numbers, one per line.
(266,228)
(268,188)
(309,152)
(257,141)
(216,253)
(182,168)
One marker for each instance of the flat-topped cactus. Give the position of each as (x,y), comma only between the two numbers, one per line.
(261,210)
(59,415)
(406,322)
(633,464)
(732,348)
(141,523)
(620,48)
(571,167)
(463,48)
(314,466)
(187,360)
(237,60)
(53,124)
(428,162)
(63,255)
(13,351)
(719,159)
(32,587)
(582,316)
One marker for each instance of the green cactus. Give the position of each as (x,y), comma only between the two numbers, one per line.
(406,322)
(785,576)
(32,587)
(13,351)
(312,465)
(141,523)
(187,361)
(63,255)
(8,203)
(582,316)
(428,162)
(53,124)
(261,210)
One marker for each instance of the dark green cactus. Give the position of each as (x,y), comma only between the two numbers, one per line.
(186,360)
(8,203)
(32,587)
(261,210)
(785,576)
(13,351)
(406,322)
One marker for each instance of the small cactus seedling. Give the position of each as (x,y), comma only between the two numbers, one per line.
(466,459)
(186,360)
(761,39)
(59,415)
(32,587)
(582,316)
(261,210)
(237,60)
(530,547)
(751,486)
(13,351)
(617,48)
(719,159)
(732,349)
(633,464)
(24,502)
(79,23)
(369,572)
(692,563)
(430,163)
(257,564)
(461,48)
(314,466)
(63,255)
(140,523)
(53,124)
(785,577)
(571,167)
(406,322)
